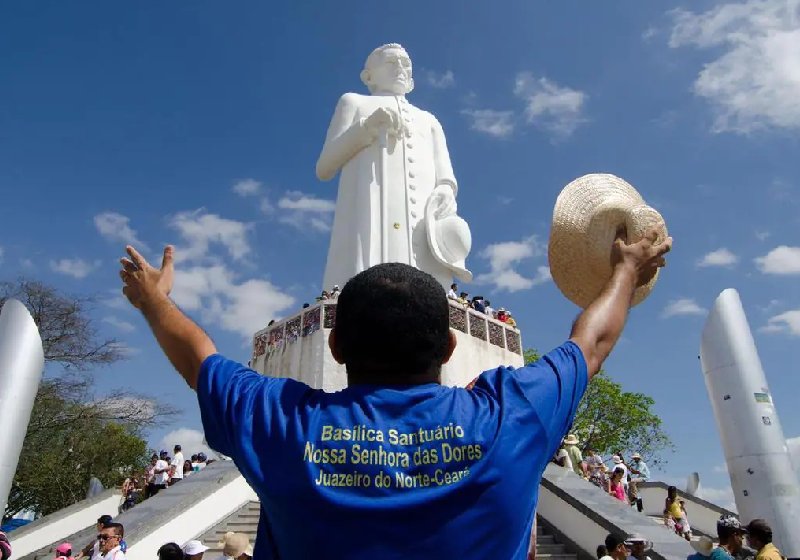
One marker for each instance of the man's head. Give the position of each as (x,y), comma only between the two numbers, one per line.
(759,533)
(638,545)
(616,547)
(392,326)
(154,458)
(164,454)
(388,71)
(110,536)
(170,551)
(102,521)
(730,532)
(636,457)
(177,449)
(454,287)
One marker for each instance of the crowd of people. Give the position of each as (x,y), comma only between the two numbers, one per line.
(620,481)
(109,544)
(162,472)
(478,303)
(732,537)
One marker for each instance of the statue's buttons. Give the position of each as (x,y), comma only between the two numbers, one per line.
(397,225)
(413,214)
(413,200)
(411,160)
(409,145)
(412,187)
(411,174)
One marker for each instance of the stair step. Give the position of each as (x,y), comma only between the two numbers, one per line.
(550,548)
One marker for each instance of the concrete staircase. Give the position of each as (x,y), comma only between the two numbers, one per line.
(548,548)
(245,520)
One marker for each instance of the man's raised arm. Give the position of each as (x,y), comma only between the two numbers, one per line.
(598,328)
(147,288)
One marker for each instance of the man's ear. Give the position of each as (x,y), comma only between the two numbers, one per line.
(334,350)
(451,346)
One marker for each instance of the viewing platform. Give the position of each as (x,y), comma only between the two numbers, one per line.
(297,347)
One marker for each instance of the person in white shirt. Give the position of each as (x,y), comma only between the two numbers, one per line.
(176,470)
(488,309)
(161,473)
(110,538)
(453,293)
(562,459)
(194,550)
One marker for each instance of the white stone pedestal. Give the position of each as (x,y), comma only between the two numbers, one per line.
(297,347)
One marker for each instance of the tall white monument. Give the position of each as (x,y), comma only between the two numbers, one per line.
(763,481)
(396,203)
(397,190)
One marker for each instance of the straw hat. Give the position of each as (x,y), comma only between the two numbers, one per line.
(235,544)
(450,241)
(571,439)
(704,545)
(586,218)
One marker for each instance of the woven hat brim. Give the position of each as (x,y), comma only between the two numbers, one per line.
(587,215)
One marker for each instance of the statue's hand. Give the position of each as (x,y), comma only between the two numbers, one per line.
(444,200)
(383,119)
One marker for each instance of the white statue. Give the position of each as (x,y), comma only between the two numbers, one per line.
(397,189)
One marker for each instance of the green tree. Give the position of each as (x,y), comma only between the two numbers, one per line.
(73,434)
(609,419)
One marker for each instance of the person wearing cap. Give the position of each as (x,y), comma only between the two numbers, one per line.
(616,549)
(759,536)
(194,550)
(64,551)
(639,472)
(92,550)
(575,455)
(235,546)
(638,546)
(703,547)
(731,538)
(392,335)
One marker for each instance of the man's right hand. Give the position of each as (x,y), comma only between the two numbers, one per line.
(144,282)
(644,257)
(384,119)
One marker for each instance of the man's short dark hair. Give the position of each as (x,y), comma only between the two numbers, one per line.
(612,542)
(170,551)
(177,447)
(392,323)
(760,529)
(119,530)
(104,520)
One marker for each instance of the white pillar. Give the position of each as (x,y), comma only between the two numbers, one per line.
(764,483)
(21,366)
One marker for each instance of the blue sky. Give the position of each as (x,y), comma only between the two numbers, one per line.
(199,124)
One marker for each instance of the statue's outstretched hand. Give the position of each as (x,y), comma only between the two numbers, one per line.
(384,119)
(444,200)
(142,281)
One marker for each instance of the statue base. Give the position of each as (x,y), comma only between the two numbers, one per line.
(297,347)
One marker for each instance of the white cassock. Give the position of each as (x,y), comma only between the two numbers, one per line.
(416,163)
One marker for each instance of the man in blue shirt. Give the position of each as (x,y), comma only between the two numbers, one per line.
(395,465)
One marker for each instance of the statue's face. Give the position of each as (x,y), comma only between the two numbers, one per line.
(391,72)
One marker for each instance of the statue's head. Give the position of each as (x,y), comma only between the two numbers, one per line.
(388,71)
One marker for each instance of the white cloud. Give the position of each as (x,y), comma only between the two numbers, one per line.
(440,80)
(781,260)
(124,326)
(191,442)
(683,306)
(720,257)
(554,108)
(722,497)
(77,268)
(754,82)
(200,230)
(499,124)
(247,187)
(762,235)
(503,258)
(306,212)
(242,307)
(115,227)
(787,323)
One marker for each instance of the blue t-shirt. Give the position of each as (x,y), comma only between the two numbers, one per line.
(421,471)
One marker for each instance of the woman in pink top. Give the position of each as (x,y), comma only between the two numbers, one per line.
(615,487)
